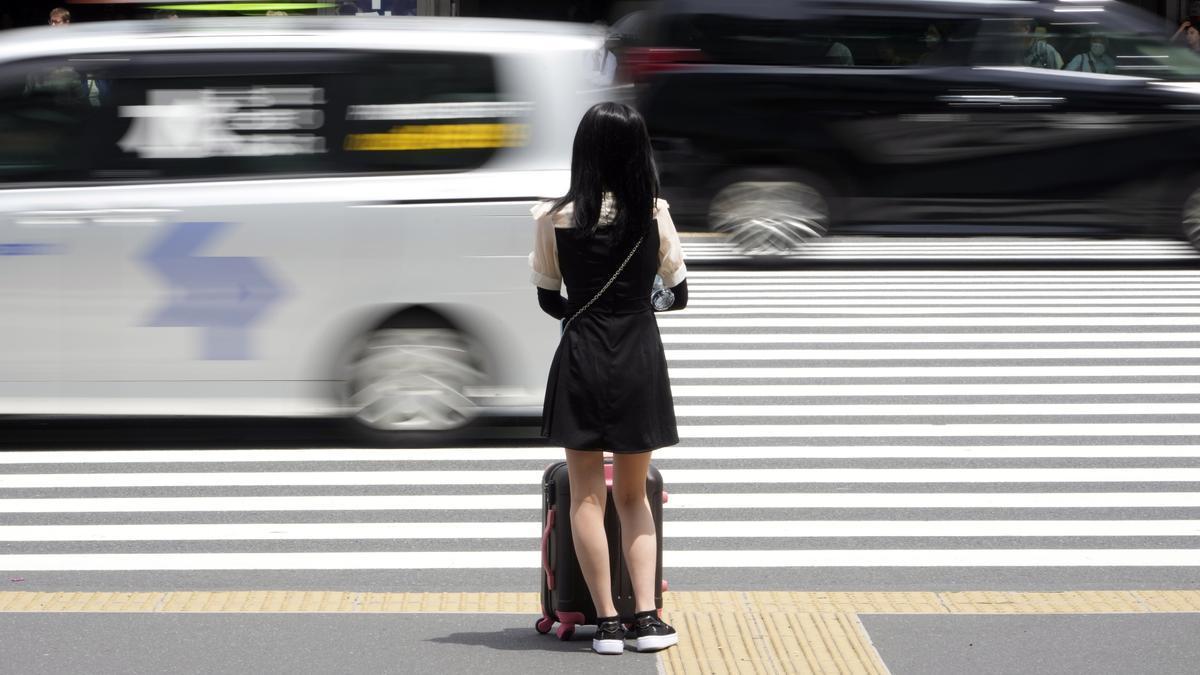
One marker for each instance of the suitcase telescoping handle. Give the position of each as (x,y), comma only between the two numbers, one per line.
(546,547)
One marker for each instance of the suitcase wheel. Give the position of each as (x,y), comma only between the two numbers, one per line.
(544,625)
(566,631)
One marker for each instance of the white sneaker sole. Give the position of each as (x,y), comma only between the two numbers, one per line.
(653,643)
(608,646)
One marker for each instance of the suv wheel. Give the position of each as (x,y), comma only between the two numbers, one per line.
(413,379)
(1191,219)
(766,214)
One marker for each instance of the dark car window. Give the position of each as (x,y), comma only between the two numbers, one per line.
(425,111)
(1084,46)
(250,115)
(46,112)
(862,40)
(881,41)
(165,116)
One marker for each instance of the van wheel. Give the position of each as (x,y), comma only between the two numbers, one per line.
(1191,219)
(405,380)
(767,212)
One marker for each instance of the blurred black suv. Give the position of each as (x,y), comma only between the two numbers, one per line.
(780,121)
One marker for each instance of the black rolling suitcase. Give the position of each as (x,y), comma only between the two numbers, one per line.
(565,596)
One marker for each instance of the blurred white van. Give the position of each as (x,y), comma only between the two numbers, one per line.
(282,216)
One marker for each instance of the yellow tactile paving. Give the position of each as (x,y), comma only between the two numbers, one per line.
(759,632)
(1170,601)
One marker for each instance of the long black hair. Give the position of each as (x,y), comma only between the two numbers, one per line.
(612,154)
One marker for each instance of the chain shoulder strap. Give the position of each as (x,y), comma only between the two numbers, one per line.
(610,281)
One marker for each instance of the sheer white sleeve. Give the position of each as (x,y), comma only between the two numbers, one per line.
(670,251)
(543,261)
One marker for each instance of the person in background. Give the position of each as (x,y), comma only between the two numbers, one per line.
(839,54)
(933,46)
(1038,52)
(1096,59)
(1187,34)
(59,16)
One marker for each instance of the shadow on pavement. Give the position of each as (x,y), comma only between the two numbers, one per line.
(75,433)
(520,640)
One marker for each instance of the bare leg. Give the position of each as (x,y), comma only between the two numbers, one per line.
(585,469)
(638,537)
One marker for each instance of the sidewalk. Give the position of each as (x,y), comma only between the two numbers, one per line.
(721,632)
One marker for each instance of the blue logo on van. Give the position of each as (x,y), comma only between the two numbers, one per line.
(24,248)
(221,295)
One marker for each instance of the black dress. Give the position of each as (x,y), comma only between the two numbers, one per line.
(608,387)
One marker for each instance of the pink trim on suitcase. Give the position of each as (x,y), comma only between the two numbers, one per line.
(546,547)
(608,474)
(572,618)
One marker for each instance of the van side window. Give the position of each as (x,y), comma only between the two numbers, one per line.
(882,42)
(411,111)
(47,110)
(247,115)
(164,116)
(797,39)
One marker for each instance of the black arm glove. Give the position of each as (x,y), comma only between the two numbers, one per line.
(680,292)
(552,303)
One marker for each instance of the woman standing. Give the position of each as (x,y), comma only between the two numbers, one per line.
(608,388)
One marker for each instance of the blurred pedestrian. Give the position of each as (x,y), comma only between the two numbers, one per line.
(608,388)
(1096,59)
(59,16)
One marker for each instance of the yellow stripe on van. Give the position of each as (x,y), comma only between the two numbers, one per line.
(441,137)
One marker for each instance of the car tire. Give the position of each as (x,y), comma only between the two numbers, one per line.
(408,382)
(771,211)
(1191,218)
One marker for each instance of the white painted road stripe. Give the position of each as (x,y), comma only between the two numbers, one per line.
(1028,309)
(1101,339)
(927,371)
(1049,255)
(551,454)
(924,409)
(724,529)
(980,273)
(807,295)
(931,354)
(346,560)
(929,500)
(1021,429)
(899,287)
(525,477)
(678,500)
(972,304)
(976,275)
(921,322)
(251,504)
(732,390)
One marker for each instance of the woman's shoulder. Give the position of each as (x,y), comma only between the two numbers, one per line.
(544,210)
(660,204)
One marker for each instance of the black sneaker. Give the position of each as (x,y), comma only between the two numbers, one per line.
(610,636)
(651,633)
